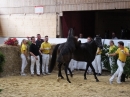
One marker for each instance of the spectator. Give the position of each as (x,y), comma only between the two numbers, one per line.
(114,35)
(45,48)
(93,63)
(123,33)
(23,56)
(76,38)
(39,41)
(34,51)
(28,46)
(89,39)
(112,46)
(122,55)
(80,35)
(29,41)
(98,68)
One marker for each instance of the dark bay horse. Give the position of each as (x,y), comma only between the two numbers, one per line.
(83,52)
(65,54)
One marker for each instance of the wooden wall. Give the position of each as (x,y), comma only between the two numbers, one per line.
(28,25)
(27,6)
(18,18)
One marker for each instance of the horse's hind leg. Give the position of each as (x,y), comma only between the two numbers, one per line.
(59,72)
(86,71)
(70,72)
(94,73)
(66,67)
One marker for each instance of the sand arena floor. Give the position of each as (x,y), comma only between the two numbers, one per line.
(47,86)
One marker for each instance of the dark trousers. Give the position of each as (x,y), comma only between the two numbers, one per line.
(40,63)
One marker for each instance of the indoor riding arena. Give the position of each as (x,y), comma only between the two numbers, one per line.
(22,19)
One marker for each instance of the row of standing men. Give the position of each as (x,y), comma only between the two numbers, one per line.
(40,52)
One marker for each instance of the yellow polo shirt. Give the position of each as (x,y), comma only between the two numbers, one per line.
(99,51)
(23,48)
(122,56)
(111,48)
(46,47)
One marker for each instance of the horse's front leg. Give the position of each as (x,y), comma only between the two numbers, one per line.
(94,73)
(66,67)
(59,72)
(86,71)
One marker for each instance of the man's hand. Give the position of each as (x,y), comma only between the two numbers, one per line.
(122,51)
(36,57)
(107,54)
(28,57)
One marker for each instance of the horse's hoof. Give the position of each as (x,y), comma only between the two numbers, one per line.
(62,77)
(72,75)
(97,80)
(58,79)
(85,78)
(69,81)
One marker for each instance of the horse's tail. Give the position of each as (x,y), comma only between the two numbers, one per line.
(53,59)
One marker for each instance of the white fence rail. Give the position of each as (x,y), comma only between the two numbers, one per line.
(62,40)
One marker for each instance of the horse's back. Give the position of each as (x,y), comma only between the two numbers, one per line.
(81,53)
(85,52)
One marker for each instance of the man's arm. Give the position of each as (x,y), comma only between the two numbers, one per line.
(126,53)
(33,55)
(40,51)
(41,48)
(114,54)
(98,50)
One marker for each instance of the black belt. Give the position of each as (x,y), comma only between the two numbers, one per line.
(46,53)
(121,61)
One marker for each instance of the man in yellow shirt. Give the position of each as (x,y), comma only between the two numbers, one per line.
(45,48)
(123,53)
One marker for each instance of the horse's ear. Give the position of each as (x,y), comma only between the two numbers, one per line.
(70,33)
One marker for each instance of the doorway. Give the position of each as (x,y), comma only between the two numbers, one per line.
(81,21)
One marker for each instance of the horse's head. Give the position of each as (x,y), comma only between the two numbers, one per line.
(70,33)
(98,41)
(71,40)
(71,37)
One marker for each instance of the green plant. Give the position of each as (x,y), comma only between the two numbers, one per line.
(104,58)
(0,90)
(2,60)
